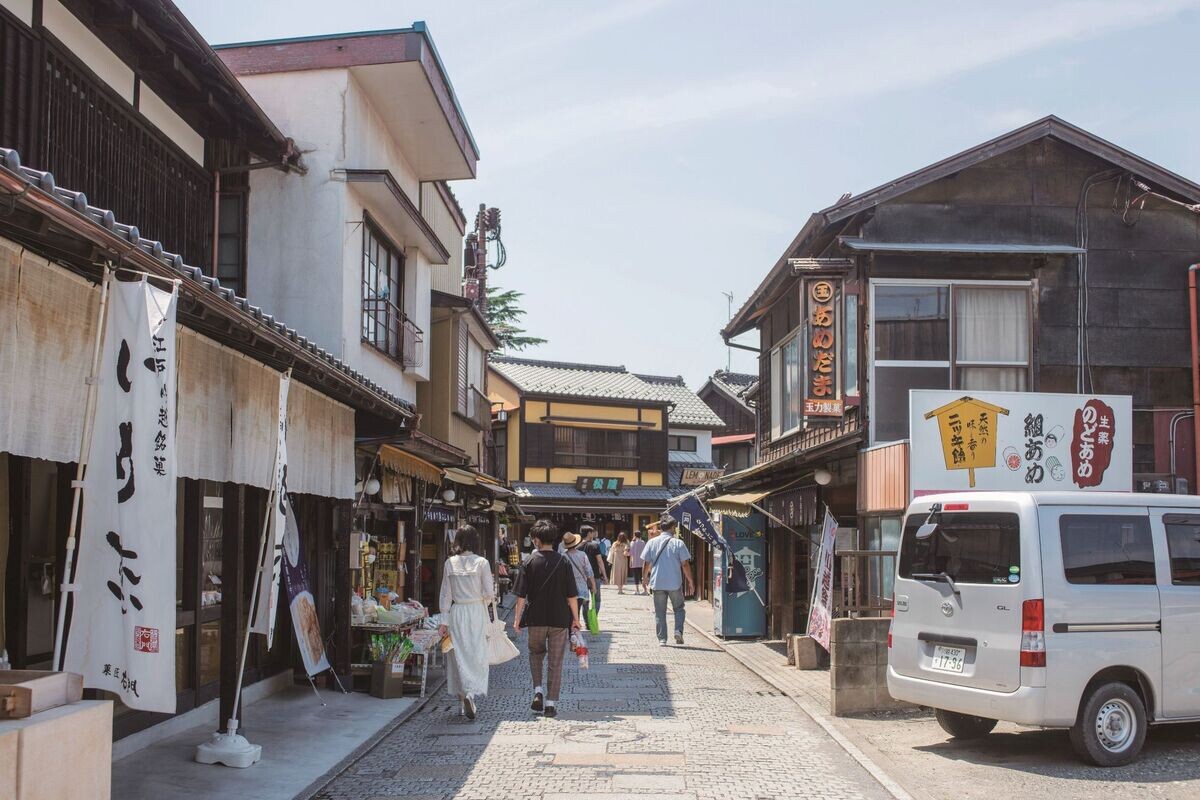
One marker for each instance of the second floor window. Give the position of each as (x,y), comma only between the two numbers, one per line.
(383,320)
(681,444)
(595,449)
(945,335)
(472,401)
(231,241)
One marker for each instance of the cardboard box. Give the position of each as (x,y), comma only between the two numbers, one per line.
(387,680)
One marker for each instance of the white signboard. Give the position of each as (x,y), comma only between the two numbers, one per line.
(699,477)
(820,610)
(122,636)
(268,587)
(1019,441)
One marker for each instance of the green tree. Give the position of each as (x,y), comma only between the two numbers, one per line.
(504,314)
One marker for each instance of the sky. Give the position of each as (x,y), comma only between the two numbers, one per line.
(649,156)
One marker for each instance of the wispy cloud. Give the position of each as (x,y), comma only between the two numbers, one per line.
(932,50)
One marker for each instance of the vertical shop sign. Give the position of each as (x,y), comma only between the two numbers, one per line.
(823,397)
(122,636)
(268,591)
(300,597)
(820,610)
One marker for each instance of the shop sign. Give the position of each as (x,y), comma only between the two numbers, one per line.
(820,610)
(823,398)
(437,513)
(590,485)
(699,477)
(1019,441)
(301,602)
(476,518)
(122,636)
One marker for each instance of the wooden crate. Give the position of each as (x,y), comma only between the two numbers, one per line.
(28,691)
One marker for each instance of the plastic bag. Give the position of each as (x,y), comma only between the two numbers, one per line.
(593,619)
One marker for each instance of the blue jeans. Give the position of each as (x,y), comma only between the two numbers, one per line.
(660,611)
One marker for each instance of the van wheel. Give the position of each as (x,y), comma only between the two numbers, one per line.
(964,726)
(1111,726)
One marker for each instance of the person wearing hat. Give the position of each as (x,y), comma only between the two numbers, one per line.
(585,576)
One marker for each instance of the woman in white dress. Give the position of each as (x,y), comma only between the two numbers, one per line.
(467,588)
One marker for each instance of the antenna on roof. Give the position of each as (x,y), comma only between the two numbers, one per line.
(728,349)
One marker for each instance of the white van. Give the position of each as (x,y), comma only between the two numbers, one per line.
(1071,610)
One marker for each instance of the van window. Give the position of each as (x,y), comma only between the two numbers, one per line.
(969,548)
(1107,549)
(1183,545)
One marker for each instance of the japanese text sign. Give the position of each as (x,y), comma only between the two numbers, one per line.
(587,485)
(822,397)
(820,610)
(122,636)
(1019,441)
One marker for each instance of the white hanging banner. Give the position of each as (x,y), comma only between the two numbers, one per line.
(122,636)
(300,597)
(820,610)
(268,589)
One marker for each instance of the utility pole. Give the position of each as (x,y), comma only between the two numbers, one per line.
(728,349)
(487,229)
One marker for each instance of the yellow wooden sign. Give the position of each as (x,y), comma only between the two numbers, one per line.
(968,433)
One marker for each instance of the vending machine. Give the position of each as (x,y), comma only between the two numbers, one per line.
(743,613)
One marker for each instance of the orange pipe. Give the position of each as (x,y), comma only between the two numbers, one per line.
(1195,371)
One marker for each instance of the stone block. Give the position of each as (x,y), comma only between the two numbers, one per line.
(843,702)
(847,677)
(853,654)
(83,730)
(860,629)
(808,654)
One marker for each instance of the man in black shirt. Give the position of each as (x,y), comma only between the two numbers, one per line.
(548,606)
(595,555)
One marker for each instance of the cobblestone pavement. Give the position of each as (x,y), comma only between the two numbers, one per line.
(674,723)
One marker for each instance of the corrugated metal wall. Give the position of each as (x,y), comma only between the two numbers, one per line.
(883,478)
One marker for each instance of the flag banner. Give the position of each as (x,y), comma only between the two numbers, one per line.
(691,514)
(820,610)
(268,579)
(738,580)
(300,598)
(122,636)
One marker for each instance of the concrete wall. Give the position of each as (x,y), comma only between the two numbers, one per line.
(449,229)
(858,666)
(703,440)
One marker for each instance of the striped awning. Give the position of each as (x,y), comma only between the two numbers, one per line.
(397,460)
(738,505)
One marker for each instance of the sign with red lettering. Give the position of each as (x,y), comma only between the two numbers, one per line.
(823,396)
(1092,443)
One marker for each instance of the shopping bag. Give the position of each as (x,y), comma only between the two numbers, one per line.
(500,647)
(593,619)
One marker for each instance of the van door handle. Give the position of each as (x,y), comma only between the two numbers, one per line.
(939,638)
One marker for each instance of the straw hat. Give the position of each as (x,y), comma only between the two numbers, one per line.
(572,540)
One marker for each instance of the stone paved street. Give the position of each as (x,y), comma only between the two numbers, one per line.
(673,723)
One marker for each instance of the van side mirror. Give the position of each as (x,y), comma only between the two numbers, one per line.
(927,530)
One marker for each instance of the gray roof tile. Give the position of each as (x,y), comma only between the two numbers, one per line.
(690,410)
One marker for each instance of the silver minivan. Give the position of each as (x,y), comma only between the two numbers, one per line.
(1074,610)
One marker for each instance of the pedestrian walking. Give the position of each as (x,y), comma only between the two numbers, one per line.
(548,606)
(669,576)
(591,546)
(635,559)
(581,567)
(467,588)
(618,557)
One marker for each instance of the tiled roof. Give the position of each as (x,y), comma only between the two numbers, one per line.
(690,411)
(737,385)
(574,380)
(567,491)
(691,459)
(77,202)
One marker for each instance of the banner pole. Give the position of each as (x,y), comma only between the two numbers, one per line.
(67,587)
(262,546)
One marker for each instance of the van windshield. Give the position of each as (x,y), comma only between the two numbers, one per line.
(966,547)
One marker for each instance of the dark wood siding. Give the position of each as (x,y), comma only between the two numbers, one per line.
(18,87)
(736,418)
(652,451)
(539,444)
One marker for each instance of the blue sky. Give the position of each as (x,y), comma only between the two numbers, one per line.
(649,155)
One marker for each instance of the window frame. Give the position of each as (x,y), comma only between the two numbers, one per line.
(242,196)
(952,365)
(776,367)
(576,459)
(678,438)
(1170,519)
(372,230)
(1144,519)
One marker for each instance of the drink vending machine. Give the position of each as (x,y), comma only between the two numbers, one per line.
(743,614)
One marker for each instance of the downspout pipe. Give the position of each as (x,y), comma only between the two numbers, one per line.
(1195,366)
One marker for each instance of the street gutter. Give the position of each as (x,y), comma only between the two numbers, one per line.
(822,719)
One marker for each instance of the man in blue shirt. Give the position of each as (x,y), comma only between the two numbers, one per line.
(668,573)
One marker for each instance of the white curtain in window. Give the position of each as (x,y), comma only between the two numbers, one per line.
(47,330)
(992,379)
(255,417)
(320,444)
(991,324)
(204,408)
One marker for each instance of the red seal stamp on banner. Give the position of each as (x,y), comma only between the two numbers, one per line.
(145,640)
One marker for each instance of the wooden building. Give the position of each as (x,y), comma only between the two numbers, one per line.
(729,395)
(1084,244)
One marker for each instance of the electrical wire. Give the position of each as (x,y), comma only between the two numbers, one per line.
(1084,378)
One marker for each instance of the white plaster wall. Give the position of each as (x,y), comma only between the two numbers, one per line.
(703,440)
(173,126)
(369,145)
(446,277)
(298,223)
(21,9)
(67,28)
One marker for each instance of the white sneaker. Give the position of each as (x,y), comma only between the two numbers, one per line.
(662,642)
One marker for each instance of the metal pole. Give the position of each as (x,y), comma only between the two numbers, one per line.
(262,546)
(68,586)
(1195,369)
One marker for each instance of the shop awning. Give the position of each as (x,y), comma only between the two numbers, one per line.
(738,505)
(735,438)
(462,476)
(407,464)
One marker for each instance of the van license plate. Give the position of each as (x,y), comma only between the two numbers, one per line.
(948,659)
